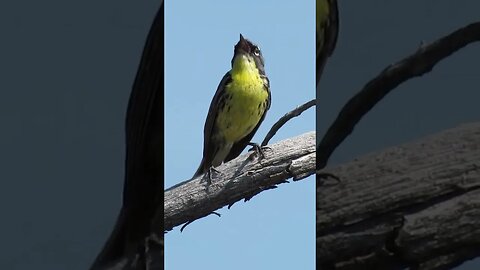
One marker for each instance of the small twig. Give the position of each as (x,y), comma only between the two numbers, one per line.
(325,175)
(284,119)
(191,221)
(412,66)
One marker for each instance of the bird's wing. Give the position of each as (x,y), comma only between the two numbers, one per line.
(331,33)
(208,146)
(327,34)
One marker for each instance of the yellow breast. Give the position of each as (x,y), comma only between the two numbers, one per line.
(245,104)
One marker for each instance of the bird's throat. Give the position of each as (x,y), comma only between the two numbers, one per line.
(243,68)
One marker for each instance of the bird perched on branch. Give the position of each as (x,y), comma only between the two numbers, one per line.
(238,107)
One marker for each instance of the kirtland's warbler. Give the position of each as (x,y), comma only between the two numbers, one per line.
(327,24)
(237,109)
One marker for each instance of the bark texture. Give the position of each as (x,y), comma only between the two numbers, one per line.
(241,178)
(416,205)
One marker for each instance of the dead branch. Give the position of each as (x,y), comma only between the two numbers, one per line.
(284,119)
(417,64)
(415,205)
(240,179)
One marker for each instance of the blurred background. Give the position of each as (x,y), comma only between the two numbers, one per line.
(375,34)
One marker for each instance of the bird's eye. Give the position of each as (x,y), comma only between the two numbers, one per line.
(256,51)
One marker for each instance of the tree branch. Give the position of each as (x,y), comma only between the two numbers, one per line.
(415,65)
(241,178)
(414,205)
(284,119)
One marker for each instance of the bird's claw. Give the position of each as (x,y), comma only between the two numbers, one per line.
(258,150)
(209,175)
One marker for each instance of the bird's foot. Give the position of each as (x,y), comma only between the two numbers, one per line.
(208,176)
(258,150)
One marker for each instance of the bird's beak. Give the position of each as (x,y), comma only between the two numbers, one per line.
(242,45)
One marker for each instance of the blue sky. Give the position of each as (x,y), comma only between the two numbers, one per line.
(275,230)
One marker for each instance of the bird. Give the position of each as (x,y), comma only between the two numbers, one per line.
(327,25)
(237,109)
